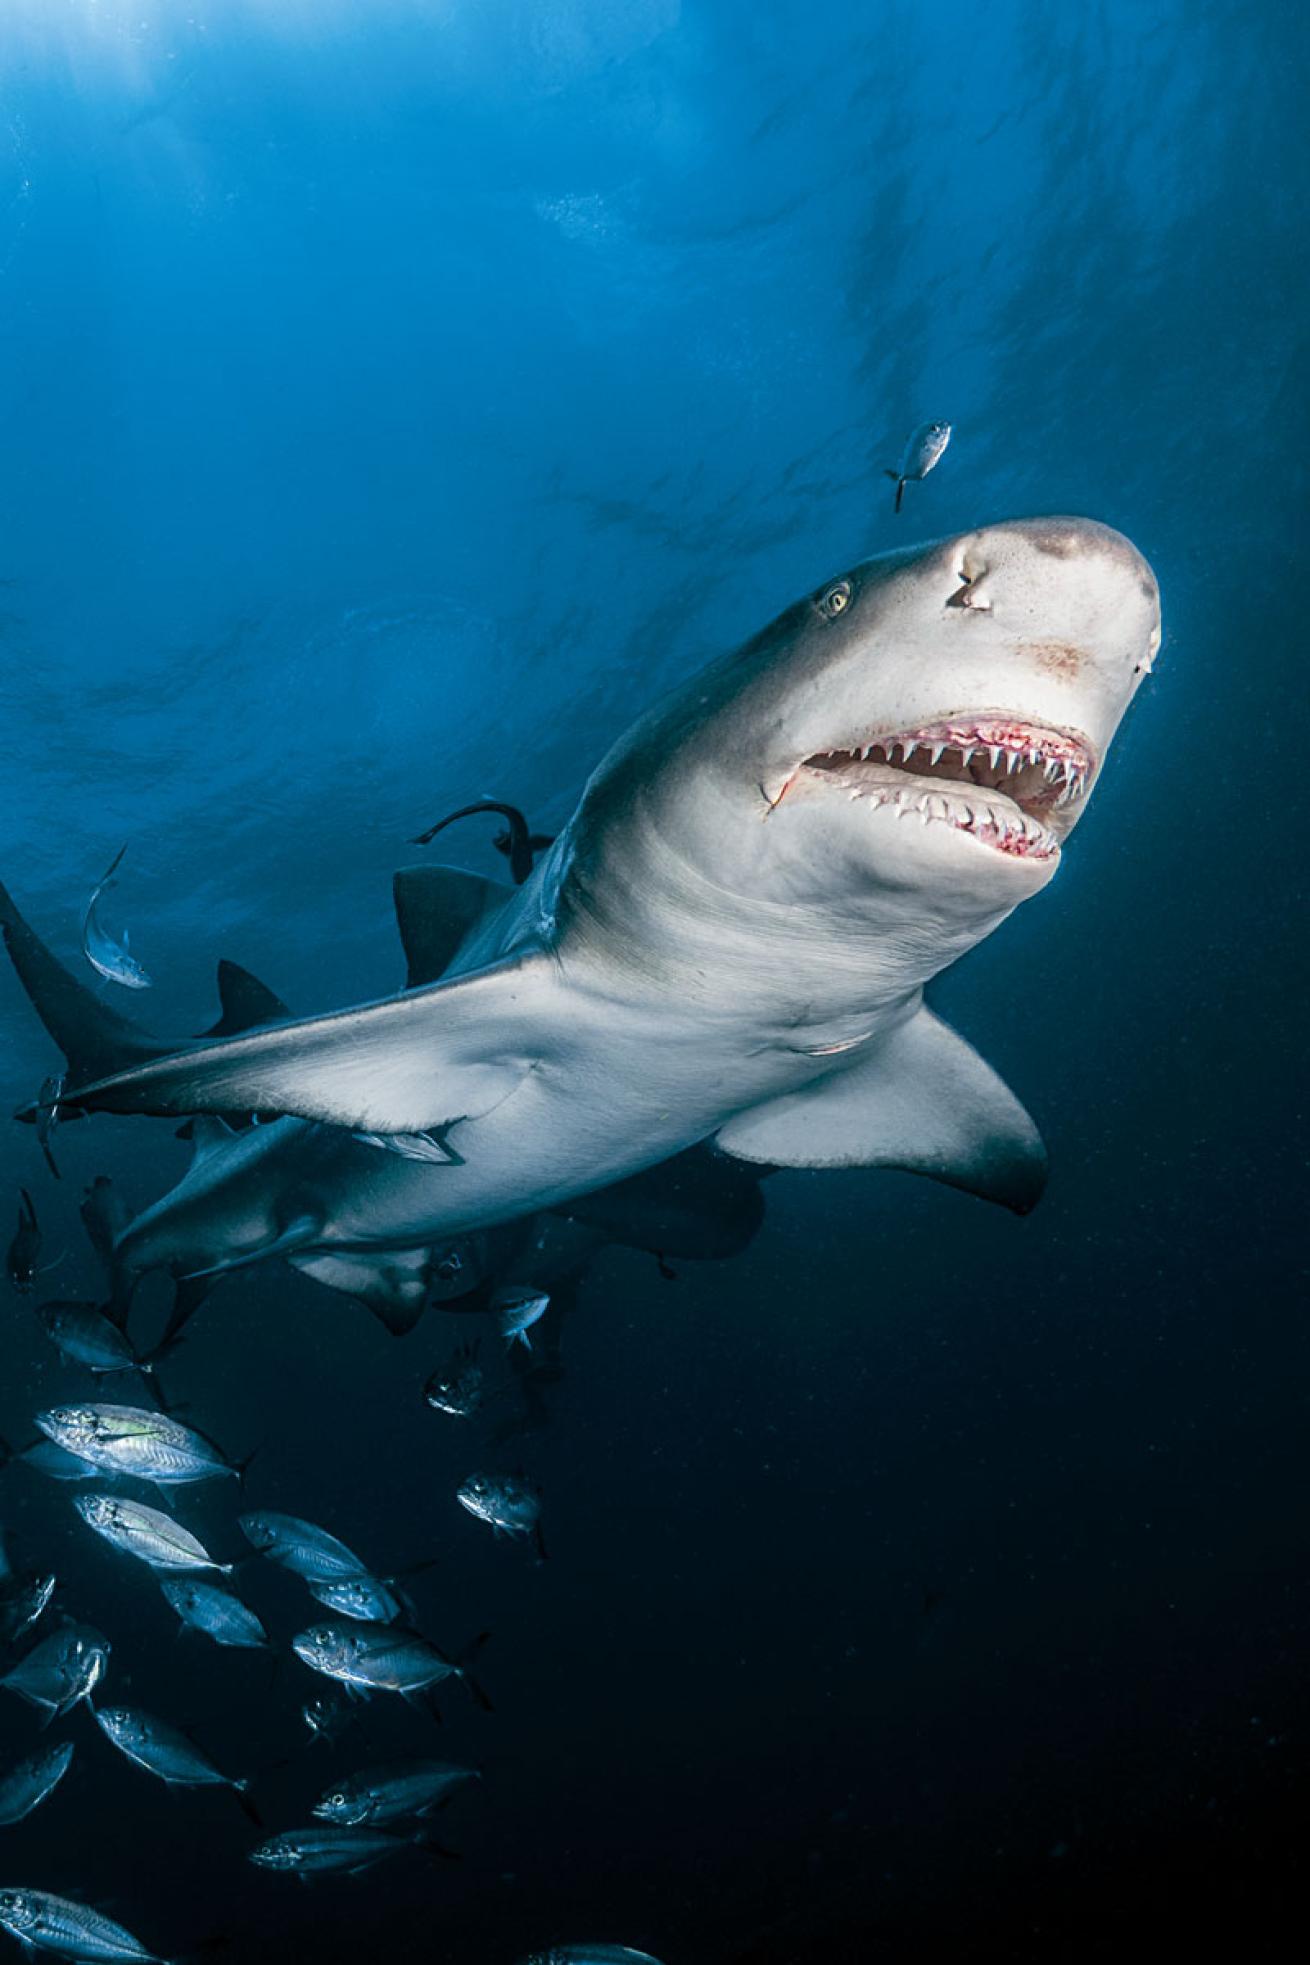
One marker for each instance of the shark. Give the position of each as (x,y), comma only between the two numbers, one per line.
(726,949)
(697,1206)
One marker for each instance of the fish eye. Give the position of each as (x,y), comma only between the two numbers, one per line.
(835,599)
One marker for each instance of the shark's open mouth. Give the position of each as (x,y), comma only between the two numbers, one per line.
(1013,786)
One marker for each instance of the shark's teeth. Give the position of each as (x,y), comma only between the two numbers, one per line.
(1033,769)
(1002,826)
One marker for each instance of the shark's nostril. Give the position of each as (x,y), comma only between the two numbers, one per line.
(971,574)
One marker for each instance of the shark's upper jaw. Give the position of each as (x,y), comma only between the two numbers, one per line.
(1015,787)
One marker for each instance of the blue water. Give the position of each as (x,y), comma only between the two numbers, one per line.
(394,398)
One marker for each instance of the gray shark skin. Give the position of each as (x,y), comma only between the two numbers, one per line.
(730,939)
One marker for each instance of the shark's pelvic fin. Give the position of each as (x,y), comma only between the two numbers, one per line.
(437,909)
(409,1064)
(392,1284)
(921,1100)
(298,1234)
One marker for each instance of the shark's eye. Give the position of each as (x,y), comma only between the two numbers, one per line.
(836,599)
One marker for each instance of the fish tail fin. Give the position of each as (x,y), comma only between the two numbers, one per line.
(464,1665)
(189,1292)
(50,1159)
(241,1789)
(242,1467)
(150,1361)
(425,1840)
(900,494)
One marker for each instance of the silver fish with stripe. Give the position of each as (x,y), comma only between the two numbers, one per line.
(43,1922)
(146,1533)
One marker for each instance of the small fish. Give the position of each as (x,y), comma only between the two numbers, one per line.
(25,1249)
(42,1922)
(105,1214)
(86,1335)
(508,843)
(306,1550)
(391,1794)
(459,1386)
(327,1719)
(26,1786)
(365,1599)
(517,844)
(509,1502)
(923,449)
(318,1852)
(516,1308)
(456,1268)
(589,1955)
(110,959)
(215,1611)
(62,1670)
(48,1114)
(134,1440)
(373,1658)
(145,1533)
(165,1751)
(23,1599)
(413,1146)
(24,1595)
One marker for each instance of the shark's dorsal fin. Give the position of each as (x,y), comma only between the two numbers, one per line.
(207,1132)
(921,1100)
(245,1002)
(411,1063)
(437,909)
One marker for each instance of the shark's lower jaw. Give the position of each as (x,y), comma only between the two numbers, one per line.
(1015,787)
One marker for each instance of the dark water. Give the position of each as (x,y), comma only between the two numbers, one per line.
(394,398)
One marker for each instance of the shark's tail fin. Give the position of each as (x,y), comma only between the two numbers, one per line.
(900,493)
(92,1036)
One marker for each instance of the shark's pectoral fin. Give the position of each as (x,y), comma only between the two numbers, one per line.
(922,1101)
(437,909)
(411,1063)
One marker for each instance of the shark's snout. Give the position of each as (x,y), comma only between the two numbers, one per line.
(975,687)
